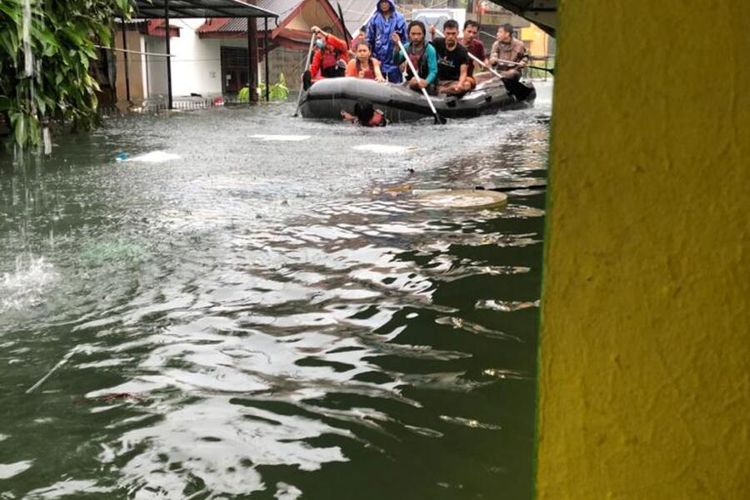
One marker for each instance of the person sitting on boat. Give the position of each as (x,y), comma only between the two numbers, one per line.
(423,56)
(473,46)
(453,61)
(508,55)
(364,66)
(365,114)
(384,23)
(331,55)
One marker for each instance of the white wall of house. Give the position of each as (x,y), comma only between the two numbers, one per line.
(196,65)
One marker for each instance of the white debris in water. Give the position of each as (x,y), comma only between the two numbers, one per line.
(271,137)
(382,148)
(155,157)
(26,285)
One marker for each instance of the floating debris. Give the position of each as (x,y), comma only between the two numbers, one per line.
(460,198)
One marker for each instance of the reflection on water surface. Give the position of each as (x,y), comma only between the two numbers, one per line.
(259,311)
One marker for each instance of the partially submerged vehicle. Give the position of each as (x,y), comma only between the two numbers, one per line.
(326,98)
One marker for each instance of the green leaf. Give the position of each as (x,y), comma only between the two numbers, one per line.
(18,122)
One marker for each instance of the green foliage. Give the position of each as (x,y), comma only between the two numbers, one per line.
(61,36)
(278,91)
(244,94)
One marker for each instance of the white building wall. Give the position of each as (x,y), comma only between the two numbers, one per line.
(196,67)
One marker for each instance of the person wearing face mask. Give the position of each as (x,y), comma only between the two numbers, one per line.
(384,23)
(331,55)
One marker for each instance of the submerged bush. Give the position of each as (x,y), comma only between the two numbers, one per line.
(278,91)
(46,49)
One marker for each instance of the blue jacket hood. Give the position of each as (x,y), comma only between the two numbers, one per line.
(393,6)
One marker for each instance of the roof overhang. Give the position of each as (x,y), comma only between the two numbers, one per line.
(184,9)
(543,13)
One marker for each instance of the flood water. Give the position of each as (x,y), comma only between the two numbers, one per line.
(252,306)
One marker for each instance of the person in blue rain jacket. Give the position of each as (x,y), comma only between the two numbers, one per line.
(386,21)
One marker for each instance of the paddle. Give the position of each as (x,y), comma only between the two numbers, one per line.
(307,68)
(505,61)
(347,38)
(514,87)
(438,119)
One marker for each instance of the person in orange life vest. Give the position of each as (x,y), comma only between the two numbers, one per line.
(331,55)
(366,115)
(364,66)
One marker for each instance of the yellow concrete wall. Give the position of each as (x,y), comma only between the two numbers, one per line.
(537,40)
(644,389)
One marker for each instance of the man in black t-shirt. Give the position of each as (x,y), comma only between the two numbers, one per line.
(453,61)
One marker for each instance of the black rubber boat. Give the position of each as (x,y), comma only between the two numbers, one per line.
(326,98)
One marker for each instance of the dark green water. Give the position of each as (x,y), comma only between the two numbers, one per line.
(256,319)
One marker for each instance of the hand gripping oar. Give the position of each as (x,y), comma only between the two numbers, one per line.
(307,67)
(514,87)
(438,119)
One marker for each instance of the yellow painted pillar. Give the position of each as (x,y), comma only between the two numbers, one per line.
(645,348)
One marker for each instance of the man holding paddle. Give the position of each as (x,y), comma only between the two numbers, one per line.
(508,54)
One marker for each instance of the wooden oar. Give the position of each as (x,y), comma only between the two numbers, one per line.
(307,67)
(513,86)
(438,119)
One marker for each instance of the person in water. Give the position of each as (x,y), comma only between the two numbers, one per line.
(422,55)
(364,66)
(366,115)
(453,61)
(331,55)
(384,23)
(508,55)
